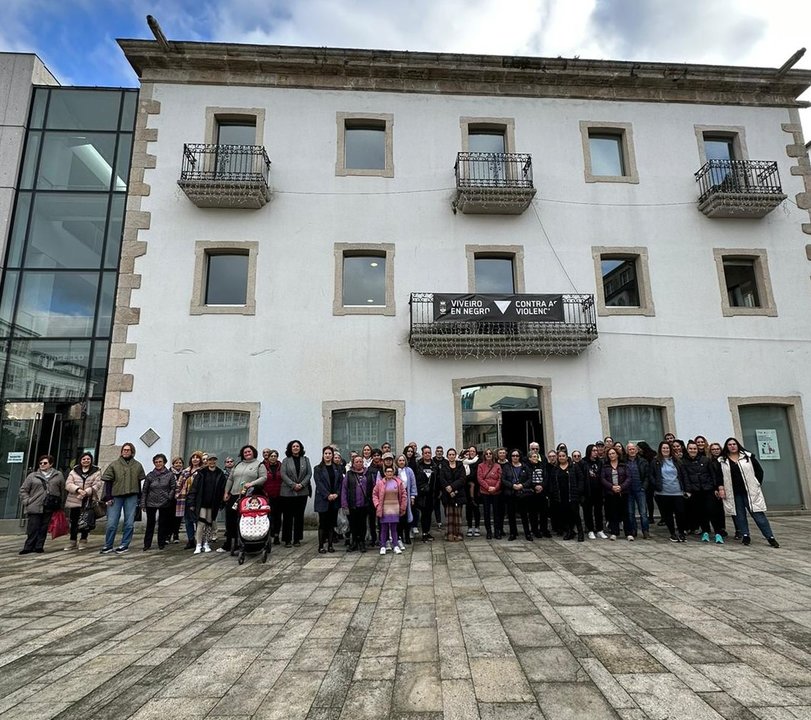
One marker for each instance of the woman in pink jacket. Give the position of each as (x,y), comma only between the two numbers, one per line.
(489,477)
(390,501)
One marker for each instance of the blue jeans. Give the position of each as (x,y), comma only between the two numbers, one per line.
(741,522)
(637,499)
(189,521)
(127,503)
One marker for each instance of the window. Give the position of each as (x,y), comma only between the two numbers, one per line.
(232,155)
(219,428)
(236,132)
(227,279)
(721,142)
(496,269)
(623,281)
(485,140)
(631,419)
(235,126)
(719,147)
(364,279)
(224,278)
(745,284)
(365,144)
(351,424)
(608,152)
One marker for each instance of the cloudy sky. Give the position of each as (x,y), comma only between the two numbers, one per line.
(76,38)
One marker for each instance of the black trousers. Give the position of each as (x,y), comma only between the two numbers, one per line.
(166,522)
(357,524)
(517,505)
(326,525)
(293,518)
(373,526)
(593,513)
(73,516)
(704,515)
(404,529)
(36,531)
(615,509)
(493,513)
(472,512)
(672,507)
(539,513)
(571,516)
(556,516)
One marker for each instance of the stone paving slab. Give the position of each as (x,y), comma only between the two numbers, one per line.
(548,630)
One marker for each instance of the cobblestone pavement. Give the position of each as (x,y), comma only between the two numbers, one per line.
(475,629)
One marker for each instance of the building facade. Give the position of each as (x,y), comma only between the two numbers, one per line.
(68,164)
(319,241)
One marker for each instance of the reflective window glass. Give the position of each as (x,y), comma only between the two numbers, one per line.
(115,230)
(227,280)
(633,423)
(606,155)
(718,148)
(17,235)
(44,368)
(30,160)
(486,141)
(236,133)
(222,432)
(38,107)
(67,231)
(72,109)
(122,163)
(620,283)
(364,280)
(365,147)
(104,319)
(494,275)
(130,105)
(10,278)
(61,304)
(98,368)
(76,161)
(352,429)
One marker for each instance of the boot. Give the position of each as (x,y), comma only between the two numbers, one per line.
(321,550)
(362,546)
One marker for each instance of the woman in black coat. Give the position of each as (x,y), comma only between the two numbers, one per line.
(517,491)
(568,490)
(328,478)
(452,488)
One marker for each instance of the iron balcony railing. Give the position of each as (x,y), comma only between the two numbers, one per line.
(492,338)
(493,170)
(224,163)
(743,177)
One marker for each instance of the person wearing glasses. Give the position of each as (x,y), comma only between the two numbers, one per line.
(38,488)
(516,485)
(122,486)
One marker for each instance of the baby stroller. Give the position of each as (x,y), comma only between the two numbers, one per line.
(254,526)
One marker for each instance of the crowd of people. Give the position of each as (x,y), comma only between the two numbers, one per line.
(375,498)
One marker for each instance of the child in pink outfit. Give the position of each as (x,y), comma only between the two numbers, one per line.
(390,501)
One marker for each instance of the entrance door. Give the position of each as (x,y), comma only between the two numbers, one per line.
(501,415)
(31,430)
(767,436)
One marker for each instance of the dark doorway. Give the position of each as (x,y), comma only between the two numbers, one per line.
(521,427)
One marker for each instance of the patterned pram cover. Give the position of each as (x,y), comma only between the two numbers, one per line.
(254,518)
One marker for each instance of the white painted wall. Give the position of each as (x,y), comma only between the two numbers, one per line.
(294,353)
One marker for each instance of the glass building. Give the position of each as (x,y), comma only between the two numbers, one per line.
(59,278)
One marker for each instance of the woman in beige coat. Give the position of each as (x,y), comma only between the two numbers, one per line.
(742,475)
(83,487)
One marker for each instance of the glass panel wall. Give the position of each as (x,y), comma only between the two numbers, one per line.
(58,291)
(222,432)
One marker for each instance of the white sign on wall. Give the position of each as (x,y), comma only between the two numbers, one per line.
(15,458)
(767,446)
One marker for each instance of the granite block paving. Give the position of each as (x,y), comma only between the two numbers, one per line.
(478,629)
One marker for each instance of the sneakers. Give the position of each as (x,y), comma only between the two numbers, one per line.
(120,550)
(221,550)
(630,538)
(746,540)
(105,551)
(206,547)
(682,538)
(705,537)
(426,537)
(400,546)
(612,537)
(82,545)
(476,532)
(674,539)
(592,536)
(602,535)
(470,532)
(71,546)
(718,539)
(198,549)
(383,550)
(773,542)
(397,550)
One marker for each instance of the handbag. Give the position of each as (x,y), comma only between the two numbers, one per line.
(87,518)
(58,524)
(99,509)
(52,502)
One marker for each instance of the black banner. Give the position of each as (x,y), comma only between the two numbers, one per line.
(498,308)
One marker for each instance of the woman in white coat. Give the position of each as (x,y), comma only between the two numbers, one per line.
(742,475)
